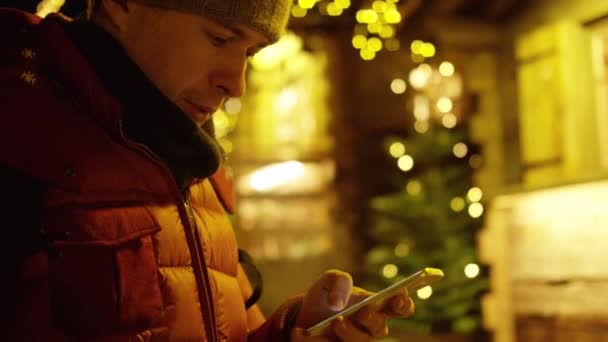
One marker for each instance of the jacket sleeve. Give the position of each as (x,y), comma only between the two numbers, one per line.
(278,326)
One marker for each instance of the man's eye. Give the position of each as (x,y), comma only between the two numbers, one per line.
(218,40)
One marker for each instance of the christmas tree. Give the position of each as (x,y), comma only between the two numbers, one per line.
(432,216)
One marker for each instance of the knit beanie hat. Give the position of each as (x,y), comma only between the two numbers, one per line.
(268,16)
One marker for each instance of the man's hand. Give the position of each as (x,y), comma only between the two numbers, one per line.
(333,292)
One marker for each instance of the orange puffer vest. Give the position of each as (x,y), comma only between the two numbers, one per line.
(131,258)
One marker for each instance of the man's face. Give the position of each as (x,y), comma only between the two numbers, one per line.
(194,61)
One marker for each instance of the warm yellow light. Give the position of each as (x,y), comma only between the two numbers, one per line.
(427,50)
(446,69)
(369,16)
(360,16)
(390,271)
(471,270)
(367,54)
(397,149)
(426,69)
(392,44)
(333,10)
(390,6)
(398,86)
(425,292)
(422,111)
(298,12)
(387,31)
(379,6)
(375,27)
(307,4)
(221,123)
(269,57)
(449,120)
(414,188)
(405,163)
(458,204)
(359,41)
(233,105)
(460,150)
(46,7)
(272,176)
(342,4)
(476,210)
(374,44)
(421,126)
(445,104)
(475,194)
(227,145)
(286,101)
(392,16)
(402,250)
(418,78)
(416,46)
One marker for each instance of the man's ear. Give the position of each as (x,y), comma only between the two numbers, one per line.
(114,13)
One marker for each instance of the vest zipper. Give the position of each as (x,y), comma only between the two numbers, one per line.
(192,238)
(200,250)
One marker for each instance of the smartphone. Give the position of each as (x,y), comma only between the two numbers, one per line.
(412,283)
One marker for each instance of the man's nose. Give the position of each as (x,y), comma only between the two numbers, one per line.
(231,81)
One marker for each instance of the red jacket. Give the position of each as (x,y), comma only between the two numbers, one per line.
(131,257)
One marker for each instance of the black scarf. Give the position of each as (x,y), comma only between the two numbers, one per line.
(148,117)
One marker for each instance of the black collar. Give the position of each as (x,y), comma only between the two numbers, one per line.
(148,117)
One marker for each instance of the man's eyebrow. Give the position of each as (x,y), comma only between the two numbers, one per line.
(241,33)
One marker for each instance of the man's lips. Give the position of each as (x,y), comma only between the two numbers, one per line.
(198,113)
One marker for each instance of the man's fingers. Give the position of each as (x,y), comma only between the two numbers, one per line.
(299,335)
(345,330)
(401,305)
(373,321)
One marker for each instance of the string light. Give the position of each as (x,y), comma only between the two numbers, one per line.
(374,44)
(390,271)
(444,104)
(397,149)
(377,24)
(414,188)
(460,150)
(449,120)
(425,292)
(333,10)
(367,54)
(421,126)
(446,69)
(458,204)
(398,86)
(298,12)
(475,194)
(233,105)
(475,210)
(405,163)
(359,41)
(471,271)
(402,250)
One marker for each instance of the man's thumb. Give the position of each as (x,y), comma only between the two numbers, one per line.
(330,293)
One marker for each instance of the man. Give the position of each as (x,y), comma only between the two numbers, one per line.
(117,195)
